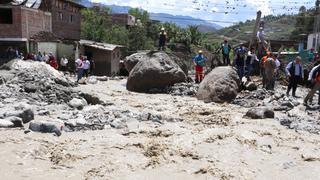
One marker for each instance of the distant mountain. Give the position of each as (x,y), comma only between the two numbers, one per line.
(182,21)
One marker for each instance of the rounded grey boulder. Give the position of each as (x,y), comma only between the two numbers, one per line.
(220,85)
(157,72)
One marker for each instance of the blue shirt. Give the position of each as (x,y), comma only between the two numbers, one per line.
(199,60)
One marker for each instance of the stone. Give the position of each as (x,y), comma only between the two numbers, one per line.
(131,61)
(220,85)
(15,120)
(6,124)
(30,88)
(260,113)
(251,86)
(45,127)
(27,115)
(91,99)
(78,103)
(118,124)
(102,78)
(157,72)
(92,80)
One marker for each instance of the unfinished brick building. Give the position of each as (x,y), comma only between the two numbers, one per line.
(21,21)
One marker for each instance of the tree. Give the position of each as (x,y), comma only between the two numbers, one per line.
(94,23)
(137,38)
(140,14)
(117,35)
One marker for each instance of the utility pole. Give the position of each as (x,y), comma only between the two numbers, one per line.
(316,27)
(255,30)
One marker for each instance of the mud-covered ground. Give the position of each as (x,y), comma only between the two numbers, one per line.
(161,136)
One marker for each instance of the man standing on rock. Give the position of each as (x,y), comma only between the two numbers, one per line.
(86,67)
(199,63)
(294,71)
(162,39)
(314,77)
(225,48)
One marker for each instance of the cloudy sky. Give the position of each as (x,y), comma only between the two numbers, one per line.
(223,12)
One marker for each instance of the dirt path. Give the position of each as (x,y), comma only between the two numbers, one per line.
(193,140)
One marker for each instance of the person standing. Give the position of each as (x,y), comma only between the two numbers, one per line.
(269,67)
(45,57)
(240,61)
(199,62)
(39,56)
(92,66)
(79,68)
(251,58)
(53,62)
(86,67)
(225,49)
(314,77)
(162,39)
(64,63)
(294,71)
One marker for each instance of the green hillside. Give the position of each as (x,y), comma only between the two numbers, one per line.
(283,27)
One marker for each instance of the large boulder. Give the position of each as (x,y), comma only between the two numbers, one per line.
(220,85)
(157,72)
(131,61)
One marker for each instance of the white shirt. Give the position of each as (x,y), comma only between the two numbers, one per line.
(86,64)
(45,58)
(79,64)
(312,71)
(278,64)
(64,61)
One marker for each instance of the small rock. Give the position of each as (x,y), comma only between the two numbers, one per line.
(27,116)
(78,103)
(92,80)
(45,127)
(30,88)
(15,120)
(6,124)
(260,113)
(102,78)
(118,124)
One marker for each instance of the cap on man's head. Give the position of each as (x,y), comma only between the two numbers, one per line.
(162,29)
(200,52)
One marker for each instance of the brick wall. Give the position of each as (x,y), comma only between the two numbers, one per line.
(12,30)
(62,25)
(34,21)
(25,23)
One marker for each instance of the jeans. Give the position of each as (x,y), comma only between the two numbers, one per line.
(249,70)
(240,71)
(226,59)
(293,84)
(80,74)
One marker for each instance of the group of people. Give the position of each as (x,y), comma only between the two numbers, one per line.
(269,67)
(83,67)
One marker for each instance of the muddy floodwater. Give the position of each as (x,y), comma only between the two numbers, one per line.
(175,138)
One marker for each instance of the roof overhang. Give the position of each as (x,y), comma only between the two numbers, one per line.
(98,45)
(14,39)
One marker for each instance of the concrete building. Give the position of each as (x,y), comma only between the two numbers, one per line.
(106,56)
(125,20)
(313,41)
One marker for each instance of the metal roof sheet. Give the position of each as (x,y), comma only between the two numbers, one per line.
(98,45)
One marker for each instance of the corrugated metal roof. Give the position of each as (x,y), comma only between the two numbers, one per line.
(98,45)
(36,3)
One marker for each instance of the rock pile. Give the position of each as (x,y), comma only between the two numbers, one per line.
(33,89)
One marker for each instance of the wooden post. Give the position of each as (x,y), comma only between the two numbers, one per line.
(255,30)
